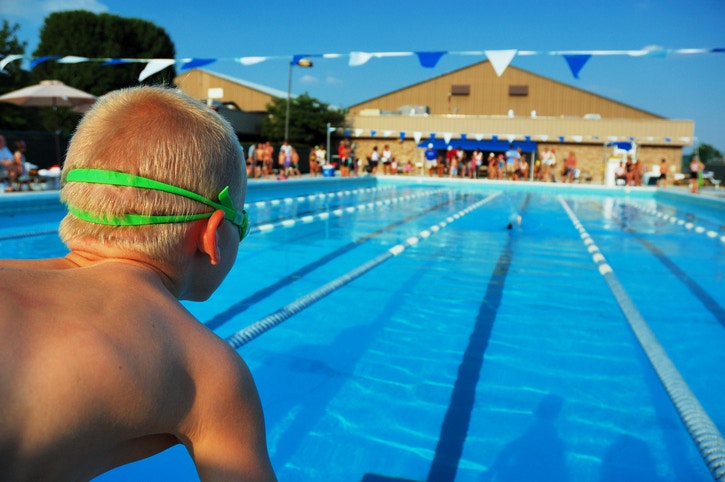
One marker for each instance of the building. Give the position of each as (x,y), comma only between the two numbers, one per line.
(473,107)
(242,103)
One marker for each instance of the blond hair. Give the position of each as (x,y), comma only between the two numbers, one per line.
(161,134)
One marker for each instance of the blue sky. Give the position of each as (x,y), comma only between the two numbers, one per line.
(677,86)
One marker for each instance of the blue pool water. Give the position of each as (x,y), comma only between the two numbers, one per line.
(474,353)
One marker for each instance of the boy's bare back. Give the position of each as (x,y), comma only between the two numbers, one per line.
(113,358)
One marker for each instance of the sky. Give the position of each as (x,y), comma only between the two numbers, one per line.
(675,87)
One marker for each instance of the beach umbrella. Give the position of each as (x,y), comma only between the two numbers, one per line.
(50,93)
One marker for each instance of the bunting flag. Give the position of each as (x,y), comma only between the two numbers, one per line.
(429,59)
(509,138)
(154,67)
(39,60)
(72,59)
(576,62)
(251,60)
(196,63)
(8,59)
(500,59)
(387,133)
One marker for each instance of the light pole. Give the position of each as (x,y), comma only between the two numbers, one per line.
(300,63)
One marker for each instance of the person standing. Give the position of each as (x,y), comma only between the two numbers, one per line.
(431,159)
(314,165)
(7,162)
(374,160)
(546,157)
(476,161)
(662,180)
(343,153)
(512,155)
(387,159)
(695,168)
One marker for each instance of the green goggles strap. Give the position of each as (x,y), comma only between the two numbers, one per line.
(114,178)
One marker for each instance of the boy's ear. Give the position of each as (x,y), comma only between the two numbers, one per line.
(209,237)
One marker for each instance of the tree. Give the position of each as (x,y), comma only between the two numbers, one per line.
(308,120)
(95,36)
(12,77)
(708,154)
(98,36)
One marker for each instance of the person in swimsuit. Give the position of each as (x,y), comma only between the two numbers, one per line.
(100,363)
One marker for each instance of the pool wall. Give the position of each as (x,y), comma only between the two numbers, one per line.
(44,201)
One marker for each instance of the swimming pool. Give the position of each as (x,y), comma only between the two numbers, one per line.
(404,333)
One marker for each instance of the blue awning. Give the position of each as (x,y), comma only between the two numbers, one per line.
(484,145)
(626,146)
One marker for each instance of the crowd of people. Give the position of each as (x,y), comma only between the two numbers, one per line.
(261,165)
(511,165)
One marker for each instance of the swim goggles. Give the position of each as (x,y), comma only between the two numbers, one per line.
(114,178)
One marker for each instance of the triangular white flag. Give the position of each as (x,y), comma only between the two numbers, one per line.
(544,137)
(72,59)
(577,138)
(417,136)
(479,137)
(154,66)
(447,137)
(387,133)
(511,138)
(359,58)
(251,60)
(500,59)
(9,59)
(358,132)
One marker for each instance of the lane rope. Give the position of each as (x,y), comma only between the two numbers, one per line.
(672,219)
(702,429)
(325,215)
(249,333)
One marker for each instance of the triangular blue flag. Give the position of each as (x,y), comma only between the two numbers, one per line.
(432,136)
(194,63)
(494,138)
(464,137)
(576,62)
(429,59)
(402,135)
(561,138)
(40,60)
(373,132)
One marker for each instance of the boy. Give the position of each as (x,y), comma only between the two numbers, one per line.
(102,365)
